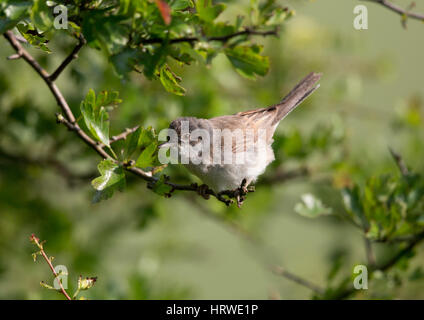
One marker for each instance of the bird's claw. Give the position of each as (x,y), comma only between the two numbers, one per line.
(240,193)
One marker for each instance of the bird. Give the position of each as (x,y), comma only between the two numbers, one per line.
(230,152)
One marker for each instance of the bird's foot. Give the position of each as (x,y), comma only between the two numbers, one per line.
(220,197)
(240,193)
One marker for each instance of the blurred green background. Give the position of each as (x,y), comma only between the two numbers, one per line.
(142,246)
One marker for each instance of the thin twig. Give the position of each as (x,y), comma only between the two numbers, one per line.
(70,122)
(370,253)
(295,278)
(267,255)
(39,244)
(123,135)
(398,10)
(246,31)
(69,118)
(73,55)
(345,293)
(399,162)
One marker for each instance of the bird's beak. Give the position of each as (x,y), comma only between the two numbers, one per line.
(164,145)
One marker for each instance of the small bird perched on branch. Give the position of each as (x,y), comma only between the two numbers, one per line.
(230,152)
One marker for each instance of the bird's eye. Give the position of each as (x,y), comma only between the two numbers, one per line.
(168,138)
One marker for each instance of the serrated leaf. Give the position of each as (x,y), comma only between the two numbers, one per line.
(278,16)
(352,203)
(208,12)
(147,157)
(125,61)
(108,32)
(147,137)
(95,115)
(131,143)
(247,61)
(170,81)
(112,178)
(311,207)
(41,15)
(108,98)
(33,37)
(12,12)
(181,4)
(160,187)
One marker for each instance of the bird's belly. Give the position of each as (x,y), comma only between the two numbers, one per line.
(222,177)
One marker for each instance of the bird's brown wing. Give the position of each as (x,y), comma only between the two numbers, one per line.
(244,130)
(266,118)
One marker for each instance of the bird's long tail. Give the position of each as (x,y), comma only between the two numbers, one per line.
(299,93)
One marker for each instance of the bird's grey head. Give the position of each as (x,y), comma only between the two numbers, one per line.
(186,132)
(181,129)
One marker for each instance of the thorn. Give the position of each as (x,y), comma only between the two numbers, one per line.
(15,56)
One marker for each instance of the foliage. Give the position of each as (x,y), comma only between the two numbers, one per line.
(182,57)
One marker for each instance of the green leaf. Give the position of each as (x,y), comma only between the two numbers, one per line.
(247,61)
(112,178)
(278,16)
(182,53)
(416,274)
(170,81)
(147,157)
(207,12)
(33,37)
(181,4)
(125,61)
(338,258)
(12,12)
(353,205)
(160,187)
(218,29)
(311,207)
(131,143)
(147,137)
(41,15)
(108,99)
(107,32)
(95,115)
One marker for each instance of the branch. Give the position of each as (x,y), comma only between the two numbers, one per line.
(123,135)
(295,278)
(268,256)
(369,252)
(68,119)
(73,55)
(39,244)
(246,31)
(345,293)
(399,10)
(399,162)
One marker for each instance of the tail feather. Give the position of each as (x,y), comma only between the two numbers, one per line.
(298,94)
